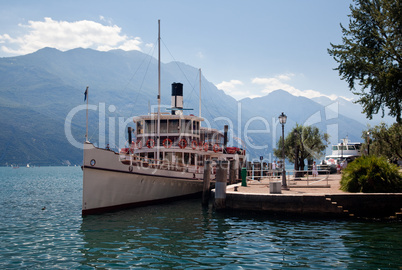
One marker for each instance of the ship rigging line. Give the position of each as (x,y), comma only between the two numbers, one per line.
(150,54)
(192,85)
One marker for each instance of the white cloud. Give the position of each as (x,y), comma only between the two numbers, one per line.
(236,89)
(149,45)
(348,99)
(278,82)
(65,35)
(261,86)
(229,86)
(285,77)
(109,21)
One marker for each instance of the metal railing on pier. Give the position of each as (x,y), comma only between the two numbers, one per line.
(293,177)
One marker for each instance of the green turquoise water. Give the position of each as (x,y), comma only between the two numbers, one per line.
(180,235)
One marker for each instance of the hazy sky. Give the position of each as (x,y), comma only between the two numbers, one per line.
(246,48)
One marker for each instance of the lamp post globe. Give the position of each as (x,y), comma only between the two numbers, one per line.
(282,120)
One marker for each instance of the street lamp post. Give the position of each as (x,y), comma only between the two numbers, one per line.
(341,151)
(282,120)
(296,153)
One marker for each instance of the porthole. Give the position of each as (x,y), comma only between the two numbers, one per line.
(93,162)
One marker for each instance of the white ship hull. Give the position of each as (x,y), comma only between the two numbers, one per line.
(108,184)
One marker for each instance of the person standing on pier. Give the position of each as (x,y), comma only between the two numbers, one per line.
(315,172)
(274,168)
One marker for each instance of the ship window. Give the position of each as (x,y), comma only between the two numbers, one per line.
(163,126)
(169,157)
(179,158)
(351,147)
(145,126)
(216,138)
(196,127)
(357,146)
(334,147)
(173,126)
(192,159)
(150,126)
(140,129)
(342,147)
(185,126)
(186,158)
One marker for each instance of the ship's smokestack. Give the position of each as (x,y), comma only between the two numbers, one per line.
(225,136)
(177,98)
(129,135)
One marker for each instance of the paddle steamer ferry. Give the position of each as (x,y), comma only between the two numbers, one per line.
(164,160)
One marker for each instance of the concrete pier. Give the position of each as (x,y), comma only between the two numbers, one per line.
(318,198)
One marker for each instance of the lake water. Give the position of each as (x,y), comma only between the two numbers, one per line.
(180,235)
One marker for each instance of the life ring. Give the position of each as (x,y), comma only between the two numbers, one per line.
(167,143)
(194,144)
(139,144)
(182,143)
(150,143)
(205,147)
(216,147)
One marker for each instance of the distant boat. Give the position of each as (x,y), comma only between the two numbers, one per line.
(345,150)
(27,165)
(164,161)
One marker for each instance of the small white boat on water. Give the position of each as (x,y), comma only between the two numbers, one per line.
(345,150)
(163,161)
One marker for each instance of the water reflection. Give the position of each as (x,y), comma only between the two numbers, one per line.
(165,235)
(183,235)
(375,245)
(179,235)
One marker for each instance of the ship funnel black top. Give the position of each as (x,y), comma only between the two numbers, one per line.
(177,98)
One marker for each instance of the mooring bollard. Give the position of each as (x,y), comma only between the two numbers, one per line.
(220,185)
(244,177)
(207,180)
(232,171)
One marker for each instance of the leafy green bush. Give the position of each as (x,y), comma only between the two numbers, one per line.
(371,174)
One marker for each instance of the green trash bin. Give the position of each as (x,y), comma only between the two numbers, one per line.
(243,177)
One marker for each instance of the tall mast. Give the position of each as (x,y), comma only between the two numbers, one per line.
(87,98)
(199,110)
(159,92)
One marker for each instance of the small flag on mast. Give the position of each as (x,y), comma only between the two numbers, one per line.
(85,94)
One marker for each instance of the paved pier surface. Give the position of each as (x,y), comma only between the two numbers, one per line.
(318,196)
(314,185)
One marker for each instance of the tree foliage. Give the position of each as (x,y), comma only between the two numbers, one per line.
(384,141)
(371,55)
(371,174)
(303,142)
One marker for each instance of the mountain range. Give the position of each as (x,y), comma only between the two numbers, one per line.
(43,110)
